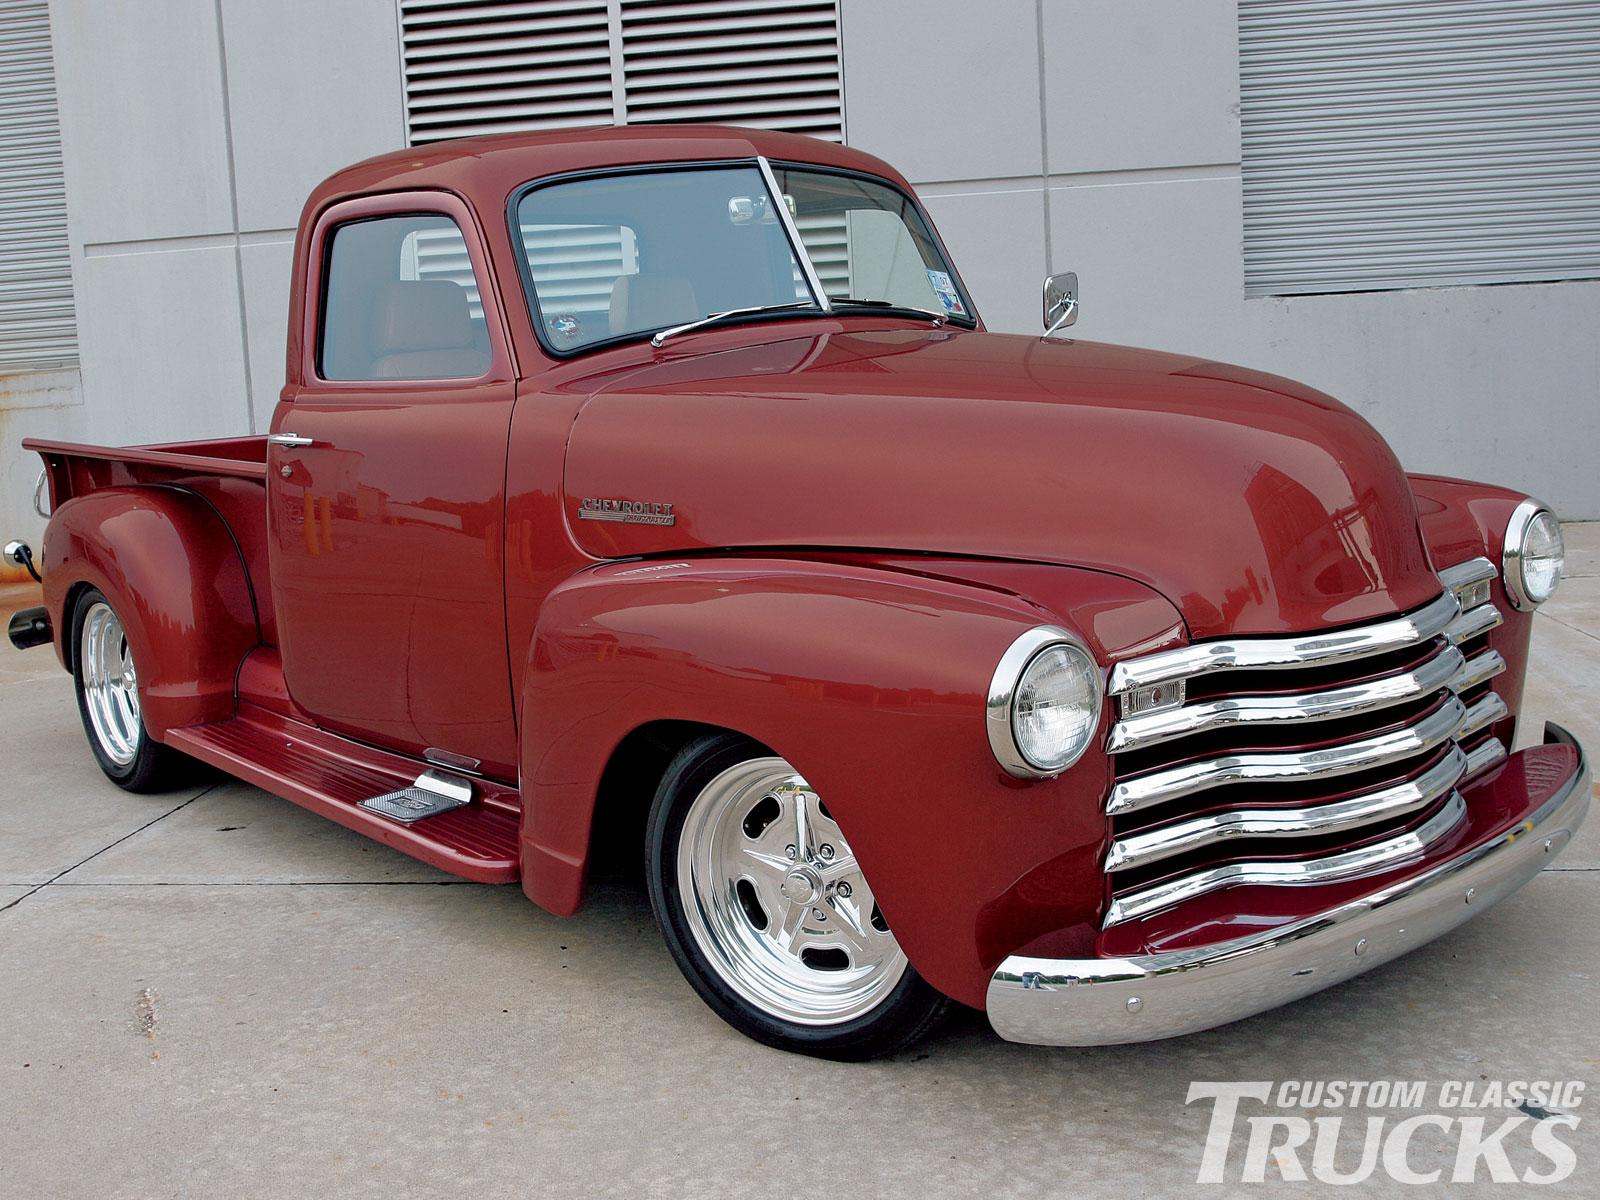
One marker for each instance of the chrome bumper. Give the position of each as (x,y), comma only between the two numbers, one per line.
(1098,1002)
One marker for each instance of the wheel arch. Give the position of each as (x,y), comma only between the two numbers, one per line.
(870,679)
(628,784)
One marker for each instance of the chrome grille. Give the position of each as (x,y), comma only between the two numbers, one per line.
(1300,760)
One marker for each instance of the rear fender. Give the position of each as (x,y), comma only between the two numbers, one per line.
(170,567)
(871,680)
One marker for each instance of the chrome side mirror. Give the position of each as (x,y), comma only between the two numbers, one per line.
(1060,301)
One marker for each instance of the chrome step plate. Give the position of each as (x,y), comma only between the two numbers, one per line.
(421,801)
(411,804)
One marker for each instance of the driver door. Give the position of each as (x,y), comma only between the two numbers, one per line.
(386,487)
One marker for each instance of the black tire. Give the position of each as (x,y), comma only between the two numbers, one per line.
(109,707)
(717,790)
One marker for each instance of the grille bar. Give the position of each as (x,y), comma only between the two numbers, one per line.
(1164,841)
(1482,714)
(1278,804)
(1288,653)
(1292,766)
(1149,729)
(1490,752)
(1352,864)
(1472,623)
(1479,668)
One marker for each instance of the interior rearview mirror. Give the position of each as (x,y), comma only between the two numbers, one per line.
(744,209)
(1060,301)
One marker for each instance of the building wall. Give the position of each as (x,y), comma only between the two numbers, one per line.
(191,132)
(1043,134)
(1056,135)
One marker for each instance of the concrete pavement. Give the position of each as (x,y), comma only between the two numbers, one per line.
(214,993)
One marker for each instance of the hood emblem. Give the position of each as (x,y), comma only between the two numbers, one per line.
(631,512)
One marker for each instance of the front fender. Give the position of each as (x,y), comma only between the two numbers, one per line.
(871,679)
(1462,520)
(169,566)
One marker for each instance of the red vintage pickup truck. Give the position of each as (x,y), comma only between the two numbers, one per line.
(660,489)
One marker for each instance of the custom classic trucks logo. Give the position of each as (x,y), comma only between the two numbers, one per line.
(629,512)
(1410,1131)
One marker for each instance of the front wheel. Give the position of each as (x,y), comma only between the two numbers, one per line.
(767,913)
(107,683)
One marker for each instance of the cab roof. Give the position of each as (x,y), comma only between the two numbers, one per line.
(486,170)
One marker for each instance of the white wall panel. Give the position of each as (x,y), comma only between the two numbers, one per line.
(944,89)
(312,87)
(1157,263)
(1140,83)
(143,135)
(161,345)
(1500,384)
(267,266)
(996,238)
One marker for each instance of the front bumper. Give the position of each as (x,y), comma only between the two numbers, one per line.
(1097,1002)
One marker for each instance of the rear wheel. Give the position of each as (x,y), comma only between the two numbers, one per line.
(107,682)
(767,913)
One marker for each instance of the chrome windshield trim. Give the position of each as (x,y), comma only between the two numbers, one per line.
(1485,755)
(1352,864)
(1140,849)
(1484,712)
(1473,622)
(1432,730)
(1149,729)
(1271,653)
(792,230)
(1465,574)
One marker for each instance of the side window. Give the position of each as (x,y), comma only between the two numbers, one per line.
(399,301)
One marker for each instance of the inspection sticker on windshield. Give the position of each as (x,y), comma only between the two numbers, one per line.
(944,287)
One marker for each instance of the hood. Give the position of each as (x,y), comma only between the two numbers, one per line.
(1254,504)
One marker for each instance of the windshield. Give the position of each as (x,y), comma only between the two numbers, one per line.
(628,254)
(869,242)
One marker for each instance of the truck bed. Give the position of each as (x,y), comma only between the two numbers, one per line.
(107,466)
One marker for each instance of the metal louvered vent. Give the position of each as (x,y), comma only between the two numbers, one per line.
(1407,143)
(772,63)
(38,330)
(495,66)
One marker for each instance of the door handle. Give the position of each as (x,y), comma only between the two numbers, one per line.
(289,439)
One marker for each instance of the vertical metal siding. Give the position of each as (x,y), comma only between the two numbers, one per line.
(38,330)
(1405,143)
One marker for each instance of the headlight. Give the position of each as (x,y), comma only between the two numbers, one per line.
(1533,555)
(1044,703)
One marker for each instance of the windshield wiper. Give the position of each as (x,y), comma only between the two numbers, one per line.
(733,314)
(890,308)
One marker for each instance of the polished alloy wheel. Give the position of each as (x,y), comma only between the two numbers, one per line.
(776,902)
(110,686)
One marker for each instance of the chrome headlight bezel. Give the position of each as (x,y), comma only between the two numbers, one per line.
(1001,706)
(1513,561)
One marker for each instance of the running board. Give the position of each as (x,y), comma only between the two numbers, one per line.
(337,778)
